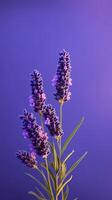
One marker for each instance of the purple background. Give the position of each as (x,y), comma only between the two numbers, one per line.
(31,35)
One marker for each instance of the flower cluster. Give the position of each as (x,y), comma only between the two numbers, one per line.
(36,134)
(62,79)
(29,159)
(38,97)
(52,121)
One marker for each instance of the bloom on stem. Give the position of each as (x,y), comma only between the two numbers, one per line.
(52,121)
(36,134)
(38,97)
(29,159)
(62,80)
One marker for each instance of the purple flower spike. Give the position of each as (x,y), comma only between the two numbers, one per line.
(52,121)
(62,80)
(36,134)
(29,159)
(38,97)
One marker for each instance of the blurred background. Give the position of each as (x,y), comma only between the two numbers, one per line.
(31,35)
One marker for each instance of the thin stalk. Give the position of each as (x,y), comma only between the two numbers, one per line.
(61,114)
(49,181)
(56,197)
(61,121)
(59,146)
(56,187)
(61,118)
(46,161)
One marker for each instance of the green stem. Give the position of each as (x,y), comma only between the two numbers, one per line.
(61,118)
(60,140)
(46,161)
(56,187)
(49,182)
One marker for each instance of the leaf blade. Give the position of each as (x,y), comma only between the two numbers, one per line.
(39,192)
(75,164)
(71,135)
(66,193)
(35,195)
(68,156)
(43,175)
(51,174)
(62,185)
(56,159)
(37,181)
(62,171)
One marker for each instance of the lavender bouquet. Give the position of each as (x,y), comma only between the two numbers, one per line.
(52,169)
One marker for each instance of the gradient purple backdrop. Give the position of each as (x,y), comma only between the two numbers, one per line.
(31,35)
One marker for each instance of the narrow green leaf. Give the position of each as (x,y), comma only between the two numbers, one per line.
(62,171)
(68,156)
(43,175)
(71,135)
(75,164)
(66,193)
(56,159)
(56,162)
(35,195)
(51,174)
(62,185)
(53,178)
(49,180)
(37,181)
(39,192)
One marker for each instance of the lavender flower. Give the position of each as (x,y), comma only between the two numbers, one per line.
(62,80)
(36,134)
(52,121)
(29,159)
(38,97)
